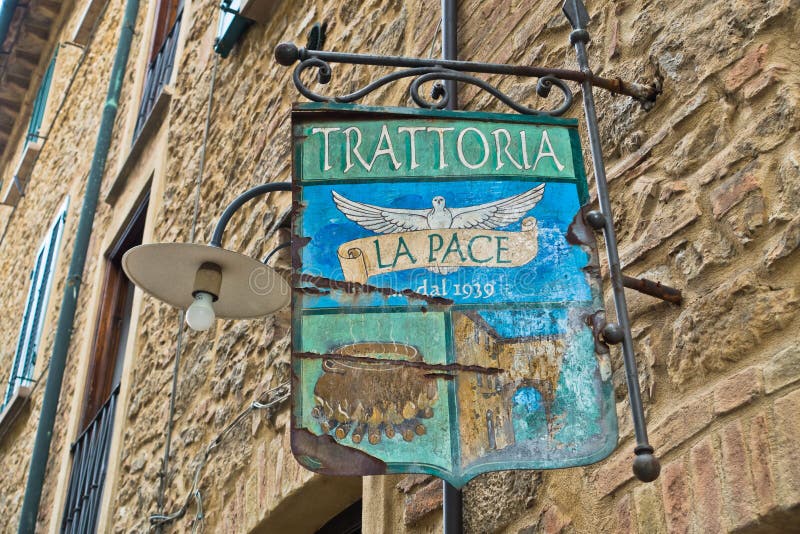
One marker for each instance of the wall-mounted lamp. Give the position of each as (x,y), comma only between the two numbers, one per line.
(209,281)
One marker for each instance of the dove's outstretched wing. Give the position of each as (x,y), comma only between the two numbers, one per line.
(381,220)
(498,213)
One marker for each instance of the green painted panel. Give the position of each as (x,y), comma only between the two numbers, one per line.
(413,147)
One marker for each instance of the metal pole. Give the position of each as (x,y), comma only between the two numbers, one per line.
(450,46)
(453,517)
(645,466)
(238,202)
(452,505)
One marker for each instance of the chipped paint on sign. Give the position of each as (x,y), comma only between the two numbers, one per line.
(446,293)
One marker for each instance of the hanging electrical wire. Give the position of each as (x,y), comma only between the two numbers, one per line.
(181,324)
(269,400)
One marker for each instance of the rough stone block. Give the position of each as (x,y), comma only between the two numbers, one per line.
(782,369)
(682,423)
(747,67)
(748,217)
(707,502)
(676,498)
(733,190)
(758,84)
(709,249)
(422,502)
(787,453)
(649,516)
(624,514)
(412,481)
(738,482)
(760,463)
(615,471)
(493,500)
(722,326)
(670,218)
(787,242)
(737,390)
(553,520)
(252,509)
(622,167)
(787,197)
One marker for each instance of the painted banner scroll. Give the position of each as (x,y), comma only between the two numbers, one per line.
(445,293)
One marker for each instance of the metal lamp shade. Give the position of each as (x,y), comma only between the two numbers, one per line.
(167,271)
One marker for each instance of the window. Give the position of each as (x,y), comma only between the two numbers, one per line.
(113,320)
(90,450)
(167,14)
(31,145)
(236,16)
(231,26)
(39,105)
(166,27)
(35,306)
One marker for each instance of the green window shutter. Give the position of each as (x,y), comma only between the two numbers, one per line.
(43,290)
(35,307)
(231,26)
(23,338)
(39,105)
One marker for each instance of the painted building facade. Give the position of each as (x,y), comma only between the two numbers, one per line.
(706,188)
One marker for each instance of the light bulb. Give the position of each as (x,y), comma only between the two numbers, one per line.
(200,315)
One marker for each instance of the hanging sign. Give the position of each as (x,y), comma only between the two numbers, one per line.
(445,293)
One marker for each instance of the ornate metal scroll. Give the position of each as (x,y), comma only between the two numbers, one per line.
(422,75)
(434,70)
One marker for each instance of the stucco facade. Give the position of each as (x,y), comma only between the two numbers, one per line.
(706,188)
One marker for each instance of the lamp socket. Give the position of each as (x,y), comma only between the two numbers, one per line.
(208,279)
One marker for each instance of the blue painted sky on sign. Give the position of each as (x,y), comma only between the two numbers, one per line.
(554,275)
(527,322)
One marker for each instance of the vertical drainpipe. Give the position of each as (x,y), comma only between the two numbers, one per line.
(66,317)
(452,505)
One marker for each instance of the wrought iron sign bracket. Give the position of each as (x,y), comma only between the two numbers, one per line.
(597,221)
(426,70)
(646,466)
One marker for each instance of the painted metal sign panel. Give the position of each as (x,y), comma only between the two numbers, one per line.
(445,288)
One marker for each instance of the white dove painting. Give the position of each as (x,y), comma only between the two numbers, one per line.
(487,216)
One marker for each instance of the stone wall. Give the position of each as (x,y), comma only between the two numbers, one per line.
(59,172)
(706,189)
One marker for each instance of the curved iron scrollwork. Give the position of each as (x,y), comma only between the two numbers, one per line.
(423,75)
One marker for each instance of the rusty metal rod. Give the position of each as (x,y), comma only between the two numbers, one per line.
(654,289)
(287,54)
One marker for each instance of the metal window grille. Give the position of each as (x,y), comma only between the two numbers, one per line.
(35,307)
(89,462)
(158,74)
(39,105)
